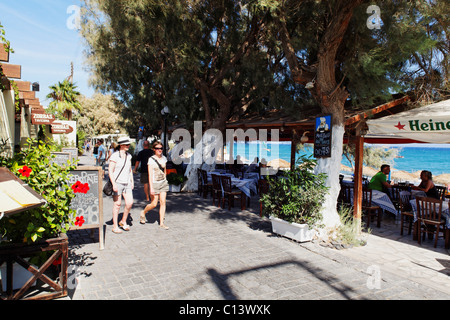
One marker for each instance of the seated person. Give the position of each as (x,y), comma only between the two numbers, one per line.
(253,167)
(427,185)
(378,181)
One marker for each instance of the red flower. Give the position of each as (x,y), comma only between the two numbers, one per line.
(79,187)
(57,261)
(25,171)
(79,221)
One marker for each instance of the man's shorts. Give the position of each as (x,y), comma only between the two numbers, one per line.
(144,177)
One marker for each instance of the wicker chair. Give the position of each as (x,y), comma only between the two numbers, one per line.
(229,193)
(216,189)
(429,212)
(369,209)
(263,187)
(406,213)
(207,187)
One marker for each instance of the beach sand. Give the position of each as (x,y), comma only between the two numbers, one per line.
(278,163)
(443,179)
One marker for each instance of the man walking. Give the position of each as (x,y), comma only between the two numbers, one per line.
(142,158)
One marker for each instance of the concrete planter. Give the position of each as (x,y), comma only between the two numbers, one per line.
(294,231)
(175,189)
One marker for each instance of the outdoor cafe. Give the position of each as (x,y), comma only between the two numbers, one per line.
(390,123)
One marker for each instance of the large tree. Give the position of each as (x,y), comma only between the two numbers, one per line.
(334,46)
(206,60)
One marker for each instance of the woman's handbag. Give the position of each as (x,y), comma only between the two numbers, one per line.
(108,187)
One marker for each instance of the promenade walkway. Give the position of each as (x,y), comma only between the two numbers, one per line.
(214,254)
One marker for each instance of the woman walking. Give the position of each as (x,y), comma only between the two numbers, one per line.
(158,184)
(121,177)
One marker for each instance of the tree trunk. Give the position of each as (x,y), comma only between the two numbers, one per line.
(330,96)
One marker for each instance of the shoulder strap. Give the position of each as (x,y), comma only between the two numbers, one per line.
(160,167)
(125,161)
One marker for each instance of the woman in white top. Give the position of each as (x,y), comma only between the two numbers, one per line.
(158,184)
(121,176)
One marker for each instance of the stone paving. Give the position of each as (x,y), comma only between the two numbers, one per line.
(214,254)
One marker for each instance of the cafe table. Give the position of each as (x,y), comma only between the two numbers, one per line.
(379,198)
(247,186)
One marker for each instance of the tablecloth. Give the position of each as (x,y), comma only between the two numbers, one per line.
(247,186)
(382,200)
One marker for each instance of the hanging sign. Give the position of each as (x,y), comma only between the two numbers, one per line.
(322,137)
(61,128)
(42,118)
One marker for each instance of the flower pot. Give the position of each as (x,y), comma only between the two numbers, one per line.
(174,188)
(21,276)
(294,231)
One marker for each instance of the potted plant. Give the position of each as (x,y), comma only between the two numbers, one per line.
(175,181)
(294,200)
(41,229)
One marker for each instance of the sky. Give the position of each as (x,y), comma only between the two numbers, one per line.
(45,41)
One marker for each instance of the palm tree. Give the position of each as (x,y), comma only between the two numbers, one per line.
(65,99)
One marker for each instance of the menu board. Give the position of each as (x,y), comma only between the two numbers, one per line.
(61,158)
(73,151)
(322,137)
(87,183)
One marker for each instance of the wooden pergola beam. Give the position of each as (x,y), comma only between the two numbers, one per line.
(23,85)
(375,110)
(27,95)
(12,70)
(4,55)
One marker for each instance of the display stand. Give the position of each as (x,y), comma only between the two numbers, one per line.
(89,205)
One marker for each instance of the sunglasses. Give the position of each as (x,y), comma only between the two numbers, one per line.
(158,148)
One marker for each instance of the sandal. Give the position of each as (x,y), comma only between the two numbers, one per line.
(116,230)
(142,218)
(164,227)
(124,226)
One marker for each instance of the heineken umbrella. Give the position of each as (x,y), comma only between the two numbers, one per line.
(429,124)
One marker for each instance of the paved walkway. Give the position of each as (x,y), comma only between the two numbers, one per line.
(215,254)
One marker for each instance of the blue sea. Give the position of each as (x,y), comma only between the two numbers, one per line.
(412,158)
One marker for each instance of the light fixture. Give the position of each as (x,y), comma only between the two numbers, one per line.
(165,111)
(35,86)
(310,84)
(304,139)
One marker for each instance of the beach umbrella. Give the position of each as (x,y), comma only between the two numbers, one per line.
(428,124)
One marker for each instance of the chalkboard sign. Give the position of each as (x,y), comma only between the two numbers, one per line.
(73,152)
(322,137)
(88,184)
(61,158)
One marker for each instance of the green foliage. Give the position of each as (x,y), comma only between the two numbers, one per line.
(4,40)
(298,195)
(49,180)
(373,156)
(64,100)
(176,179)
(349,231)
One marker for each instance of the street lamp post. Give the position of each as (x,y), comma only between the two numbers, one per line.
(165,112)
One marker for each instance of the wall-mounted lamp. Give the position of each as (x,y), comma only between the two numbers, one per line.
(310,84)
(304,139)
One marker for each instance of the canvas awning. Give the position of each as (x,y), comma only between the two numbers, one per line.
(429,124)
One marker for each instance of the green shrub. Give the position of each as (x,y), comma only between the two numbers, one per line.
(50,181)
(297,196)
(176,179)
